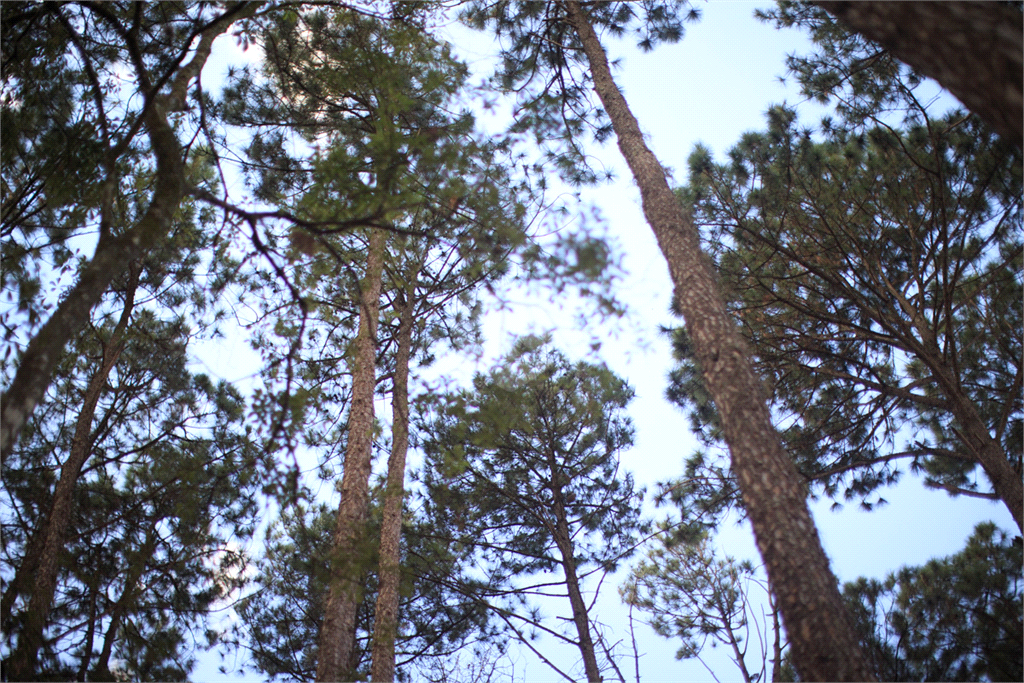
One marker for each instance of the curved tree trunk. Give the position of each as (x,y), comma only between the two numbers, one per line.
(52,536)
(338,633)
(113,254)
(385,615)
(824,644)
(975,50)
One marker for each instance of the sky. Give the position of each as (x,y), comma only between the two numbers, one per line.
(709,88)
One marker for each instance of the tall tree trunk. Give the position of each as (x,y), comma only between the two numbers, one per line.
(823,641)
(975,50)
(385,615)
(58,521)
(338,633)
(113,253)
(563,539)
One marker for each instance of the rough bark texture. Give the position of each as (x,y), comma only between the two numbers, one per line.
(385,615)
(46,566)
(113,254)
(338,632)
(563,539)
(973,49)
(823,642)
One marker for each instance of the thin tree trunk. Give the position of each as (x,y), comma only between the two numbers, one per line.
(385,614)
(90,637)
(737,653)
(563,539)
(124,601)
(975,50)
(113,253)
(823,641)
(58,521)
(337,643)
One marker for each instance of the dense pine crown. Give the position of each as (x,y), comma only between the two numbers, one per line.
(523,472)
(875,266)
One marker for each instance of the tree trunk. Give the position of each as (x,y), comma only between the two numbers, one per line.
(129,593)
(113,254)
(90,636)
(338,633)
(975,50)
(58,521)
(823,641)
(563,539)
(385,615)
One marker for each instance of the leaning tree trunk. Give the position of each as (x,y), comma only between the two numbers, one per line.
(824,644)
(113,253)
(338,633)
(975,50)
(385,614)
(46,566)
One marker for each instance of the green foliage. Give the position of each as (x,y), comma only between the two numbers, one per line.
(534,445)
(859,78)
(543,65)
(159,512)
(372,103)
(281,618)
(957,618)
(692,595)
(74,158)
(876,270)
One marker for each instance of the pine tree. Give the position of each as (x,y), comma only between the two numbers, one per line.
(954,618)
(973,50)
(524,470)
(690,593)
(555,42)
(875,266)
(37,37)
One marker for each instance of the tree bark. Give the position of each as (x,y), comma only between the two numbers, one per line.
(563,539)
(385,615)
(113,253)
(975,50)
(338,633)
(58,521)
(824,644)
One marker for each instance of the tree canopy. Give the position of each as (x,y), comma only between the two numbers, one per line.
(875,267)
(331,186)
